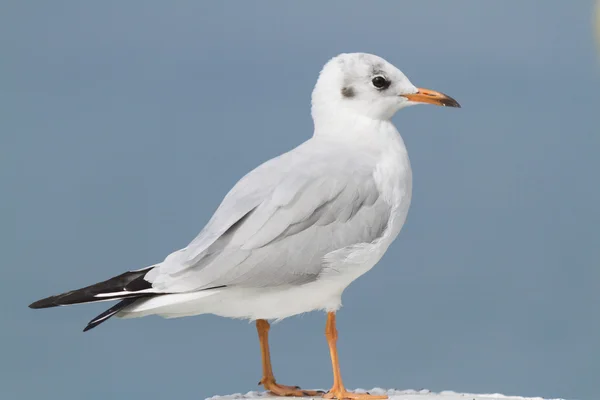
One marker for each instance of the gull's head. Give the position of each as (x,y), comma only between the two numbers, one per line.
(367,85)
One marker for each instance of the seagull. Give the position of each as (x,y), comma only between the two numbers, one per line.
(293,233)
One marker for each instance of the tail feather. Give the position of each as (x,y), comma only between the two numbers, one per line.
(127,285)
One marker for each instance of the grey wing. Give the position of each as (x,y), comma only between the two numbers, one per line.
(280,233)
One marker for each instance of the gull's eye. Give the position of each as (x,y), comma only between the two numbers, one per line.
(380,82)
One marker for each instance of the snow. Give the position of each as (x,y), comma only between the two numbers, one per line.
(393,395)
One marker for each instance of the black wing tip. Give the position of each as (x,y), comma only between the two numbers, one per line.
(48,302)
(63,299)
(110,312)
(90,326)
(96,321)
(130,282)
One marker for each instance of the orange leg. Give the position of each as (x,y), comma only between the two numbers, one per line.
(338,391)
(268,380)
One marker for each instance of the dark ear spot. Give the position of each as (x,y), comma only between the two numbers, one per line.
(348,92)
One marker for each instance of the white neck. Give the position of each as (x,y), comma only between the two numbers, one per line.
(345,125)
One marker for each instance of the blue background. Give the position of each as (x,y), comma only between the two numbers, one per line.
(123,124)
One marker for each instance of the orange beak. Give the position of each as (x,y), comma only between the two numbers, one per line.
(432,97)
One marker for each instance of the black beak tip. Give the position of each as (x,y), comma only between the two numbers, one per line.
(450,102)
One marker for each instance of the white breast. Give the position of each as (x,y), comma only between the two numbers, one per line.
(393,176)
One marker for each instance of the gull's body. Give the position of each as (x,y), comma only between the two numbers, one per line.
(360,187)
(296,231)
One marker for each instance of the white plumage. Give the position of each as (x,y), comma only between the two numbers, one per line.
(295,232)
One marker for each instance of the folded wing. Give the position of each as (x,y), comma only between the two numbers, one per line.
(277,224)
